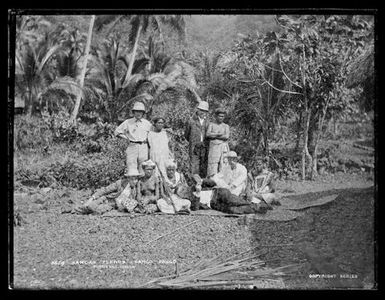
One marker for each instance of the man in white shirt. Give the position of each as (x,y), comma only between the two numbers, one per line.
(233,176)
(229,193)
(135,131)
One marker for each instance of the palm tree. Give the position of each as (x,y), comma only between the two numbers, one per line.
(107,77)
(68,60)
(33,69)
(47,60)
(139,25)
(163,73)
(153,73)
(84,69)
(362,73)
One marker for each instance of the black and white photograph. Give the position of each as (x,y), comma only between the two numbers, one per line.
(192,150)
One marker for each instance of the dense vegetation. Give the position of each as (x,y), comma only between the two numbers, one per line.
(283,80)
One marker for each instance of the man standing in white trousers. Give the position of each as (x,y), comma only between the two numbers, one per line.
(135,131)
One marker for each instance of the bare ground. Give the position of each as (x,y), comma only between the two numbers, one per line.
(64,251)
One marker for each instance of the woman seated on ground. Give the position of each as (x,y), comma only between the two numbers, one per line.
(149,189)
(175,192)
(262,184)
(121,194)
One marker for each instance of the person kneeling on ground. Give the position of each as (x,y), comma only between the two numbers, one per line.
(262,185)
(176,191)
(229,194)
(120,194)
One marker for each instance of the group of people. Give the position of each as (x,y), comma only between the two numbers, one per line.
(151,182)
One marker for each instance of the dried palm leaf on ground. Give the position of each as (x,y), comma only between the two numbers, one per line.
(247,269)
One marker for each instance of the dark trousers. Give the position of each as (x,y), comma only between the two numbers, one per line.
(226,202)
(198,160)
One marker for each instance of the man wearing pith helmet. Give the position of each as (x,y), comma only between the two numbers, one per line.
(135,131)
(195,134)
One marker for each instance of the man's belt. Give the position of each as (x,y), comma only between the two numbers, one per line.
(138,142)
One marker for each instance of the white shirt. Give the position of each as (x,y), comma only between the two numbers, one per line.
(236,177)
(135,130)
(201,121)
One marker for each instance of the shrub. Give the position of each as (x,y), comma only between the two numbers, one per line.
(93,171)
(31,133)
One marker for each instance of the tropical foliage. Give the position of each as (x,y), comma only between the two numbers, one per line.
(275,75)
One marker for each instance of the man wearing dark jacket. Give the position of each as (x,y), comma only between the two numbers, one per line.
(195,134)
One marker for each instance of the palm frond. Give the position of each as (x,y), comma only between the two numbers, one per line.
(155,23)
(139,65)
(135,23)
(361,68)
(124,59)
(67,84)
(47,57)
(162,63)
(67,65)
(29,63)
(145,21)
(105,20)
(133,81)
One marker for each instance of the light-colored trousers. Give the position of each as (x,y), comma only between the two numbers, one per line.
(215,157)
(267,197)
(136,154)
(220,182)
(179,203)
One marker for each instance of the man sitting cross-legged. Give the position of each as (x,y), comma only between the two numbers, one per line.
(262,185)
(176,191)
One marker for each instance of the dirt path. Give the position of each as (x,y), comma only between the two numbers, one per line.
(54,250)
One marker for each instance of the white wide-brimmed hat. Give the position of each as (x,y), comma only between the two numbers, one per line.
(171,164)
(232,154)
(148,164)
(203,105)
(139,106)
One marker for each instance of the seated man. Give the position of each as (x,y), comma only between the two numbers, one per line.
(229,189)
(120,194)
(233,176)
(176,191)
(262,185)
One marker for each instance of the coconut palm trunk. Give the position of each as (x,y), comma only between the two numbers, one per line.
(130,66)
(83,74)
(307,114)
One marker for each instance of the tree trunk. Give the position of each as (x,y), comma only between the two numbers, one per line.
(305,149)
(317,139)
(29,102)
(335,128)
(83,74)
(314,156)
(299,127)
(130,66)
(266,142)
(306,157)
